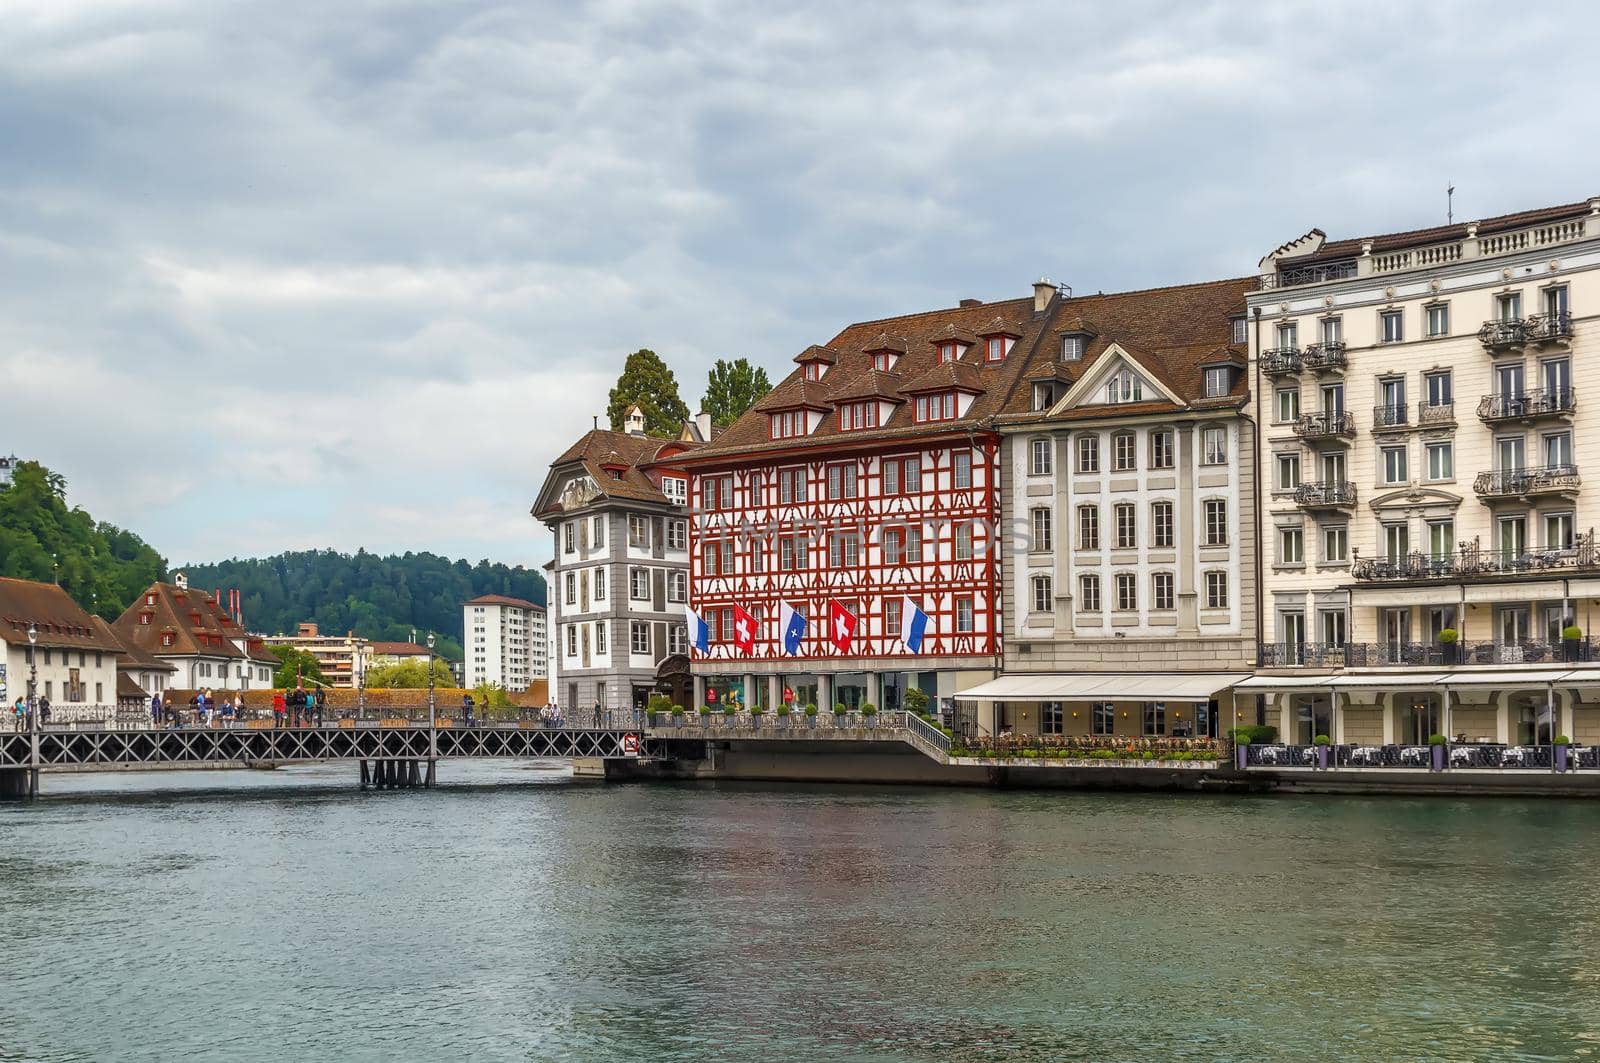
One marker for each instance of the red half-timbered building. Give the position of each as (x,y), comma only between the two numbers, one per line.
(868,478)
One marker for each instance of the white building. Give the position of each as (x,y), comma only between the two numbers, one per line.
(190,629)
(72,661)
(504,642)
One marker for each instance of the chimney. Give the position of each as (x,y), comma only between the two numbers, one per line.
(633,421)
(702,424)
(971,302)
(1043,289)
(181,580)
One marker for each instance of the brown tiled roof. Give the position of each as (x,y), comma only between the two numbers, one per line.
(1172,332)
(873,384)
(952,331)
(638,454)
(887,342)
(399,649)
(796,393)
(942,376)
(814,353)
(501,599)
(1442,233)
(750,432)
(1000,327)
(200,627)
(127,687)
(135,658)
(59,621)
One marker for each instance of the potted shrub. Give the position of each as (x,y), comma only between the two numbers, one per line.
(1241,747)
(1572,641)
(705,715)
(839,710)
(756,712)
(870,711)
(1437,748)
(677,715)
(811,715)
(729,712)
(1562,752)
(1448,640)
(1324,746)
(783,711)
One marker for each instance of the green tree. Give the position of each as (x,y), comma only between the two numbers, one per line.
(409,675)
(732,388)
(647,381)
(294,665)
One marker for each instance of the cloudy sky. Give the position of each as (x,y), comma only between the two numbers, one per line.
(292,274)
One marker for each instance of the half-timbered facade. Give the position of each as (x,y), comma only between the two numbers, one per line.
(864,488)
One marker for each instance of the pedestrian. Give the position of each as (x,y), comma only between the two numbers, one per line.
(322,703)
(466,708)
(21,708)
(44,710)
(155,710)
(280,705)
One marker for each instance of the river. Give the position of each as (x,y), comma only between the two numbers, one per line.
(512,915)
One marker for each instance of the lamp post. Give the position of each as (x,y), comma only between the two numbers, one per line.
(433,727)
(33,708)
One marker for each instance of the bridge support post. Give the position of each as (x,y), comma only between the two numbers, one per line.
(19,784)
(364,777)
(432,779)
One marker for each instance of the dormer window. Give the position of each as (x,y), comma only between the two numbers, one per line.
(1072,348)
(1044,396)
(167,639)
(787,425)
(995,351)
(146,617)
(149,599)
(1125,386)
(940,406)
(814,370)
(1218,381)
(947,352)
(855,415)
(880,361)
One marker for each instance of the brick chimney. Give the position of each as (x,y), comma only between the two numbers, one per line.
(1043,289)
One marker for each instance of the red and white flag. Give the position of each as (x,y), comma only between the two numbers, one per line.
(744,630)
(841,626)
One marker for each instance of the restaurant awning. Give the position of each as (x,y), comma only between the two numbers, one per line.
(1285,682)
(1529,678)
(1515,592)
(1105,686)
(1399,680)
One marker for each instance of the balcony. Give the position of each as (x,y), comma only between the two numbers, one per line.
(1431,655)
(1391,416)
(1325,494)
(1513,334)
(1325,426)
(1528,406)
(1544,480)
(1472,561)
(1324,357)
(1280,361)
(1436,414)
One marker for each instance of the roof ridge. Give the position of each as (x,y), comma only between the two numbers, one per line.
(926,313)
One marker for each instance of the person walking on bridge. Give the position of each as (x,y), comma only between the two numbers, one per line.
(279,706)
(21,709)
(155,710)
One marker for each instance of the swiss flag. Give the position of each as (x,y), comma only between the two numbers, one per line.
(744,630)
(841,626)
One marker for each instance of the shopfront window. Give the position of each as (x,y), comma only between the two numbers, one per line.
(1103,718)
(1050,718)
(1313,716)
(1155,717)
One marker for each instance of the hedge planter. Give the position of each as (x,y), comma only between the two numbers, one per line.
(1562,763)
(1323,756)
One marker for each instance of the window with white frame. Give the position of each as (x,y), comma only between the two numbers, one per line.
(1240,331)
(1291,546)
(600,637)
(1216,590)
(1441,460)
(1508,307)
(677,586)
(1391,326)
(995,349)
(787,424)
(1089,593)
(842,481)
(1088,528)
(1041,454)
(1558,531)
(1288,409)
(638,584)
(1162,592)
(1123,452)
(856,415)
(1042,592)
(1218,380)
(964,624)
(569,537)
(1288,472)
(1393,463)
(964,541)
(638,531)
(1125,386)
(570,591)
(677,534)
(1161,524)
(572,640)
(1335,543)
(1127,526)
(791,486)
(1288,335)
(598,533)
(599,579)
(1072,348)
(1161,449)
(677,639)
(1043,531)
(961,470)
(940,406)
(1439,319)
(1215,445)
(1089,453)
(1216,522)
(1332,330)
(639,637)
(1127,591)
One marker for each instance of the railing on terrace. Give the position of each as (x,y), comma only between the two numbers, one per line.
(1321,356)
(1325,493)
(1473,560)
(1435,413)
(1280,361)
(1456,755)
(1325,425)
(1396,415)
(1092,747)
(1540,402)
(1509,333)
(1423,654)
(1318,274)
(1516,483)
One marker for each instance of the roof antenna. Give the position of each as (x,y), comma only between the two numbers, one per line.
(596,417)
(1450,205)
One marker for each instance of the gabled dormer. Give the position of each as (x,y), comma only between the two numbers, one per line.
(1073,343)
(815,361)
(613,465)
(886,352)
(951,343)
(1118,378)
(998,339)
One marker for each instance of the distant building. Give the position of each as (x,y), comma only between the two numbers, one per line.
(190,630)
(73,661)
(342,658)
(504,642)
(139,672)
(8,468)
(387,653)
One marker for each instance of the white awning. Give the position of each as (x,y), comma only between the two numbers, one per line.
(1285,682)
(1105,686)
(1531,677)
(1515,592)
(1584,588)
(1447,594)
(1398,680)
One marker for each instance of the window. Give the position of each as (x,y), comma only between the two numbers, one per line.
(600,637)
(1216,590)
(572,640)
(1332,330)
(677,586)
(677,535)
(1161,529)
(598,532)
(1155,717)
(1071,348)
(1288,472)
(1161,448)
(1125,386)
(1508,307)
(844,550)
(1240,331)
(1103,718)
(569,537)
(947,352)
(638,531)
(1218,380)
(1558,449)
(1127,526)
(911,476)
(1044,396)
(937,407)
(1288,405)
(1216,446)
(677,639)
(1394,464)
(1041,452)
(1042,594)
(1440,389)
(1089,453)
(962,473)
(1441,461)
(1161,591)
(1127,591)
(1392,326)
(963,616)
(1558,531)
(1043,535)
(891,477)
(791,486)
(842,481)
(964,542)
(792,553)
(639,637)
(1291,546)
(710,559)
(639,584)
(1331,626)
(1088,528)
(1555,304)
(995,350)
(787,424)
(599,577)
(1441,539)
(1396,542)
(1335,542)
(855,415)
(913,546)
(1439,319)
(1089,593)
(1288,334)
(1216,522)
(1123,453)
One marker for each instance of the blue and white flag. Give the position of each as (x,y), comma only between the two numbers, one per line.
(699,633)
(913,625)
(793,626)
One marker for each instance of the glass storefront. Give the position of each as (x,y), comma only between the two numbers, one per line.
(1313,716)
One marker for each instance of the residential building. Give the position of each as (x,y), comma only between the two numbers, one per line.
(504,642)
(1427,530)
(341,658)
(72,662)
(861,492)
(8,469)
(1127,473)
(387,653)
(190,630)
(139,673)
(617,505)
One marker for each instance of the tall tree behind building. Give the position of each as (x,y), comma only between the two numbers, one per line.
(732,388)
(100,565)
(647,382)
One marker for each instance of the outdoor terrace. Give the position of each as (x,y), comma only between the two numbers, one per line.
(1472,561)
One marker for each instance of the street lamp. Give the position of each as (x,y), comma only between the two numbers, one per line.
(33,675)
(433,727)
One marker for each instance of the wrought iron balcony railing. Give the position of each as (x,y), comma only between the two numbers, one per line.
(1519,483)
(1280,361)
(1324,356)
(1423,654)
(1325,426)
(1396,415)
(1321,494)
(1517,332)
(1474,561)
(1541,402)
(1435,413)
